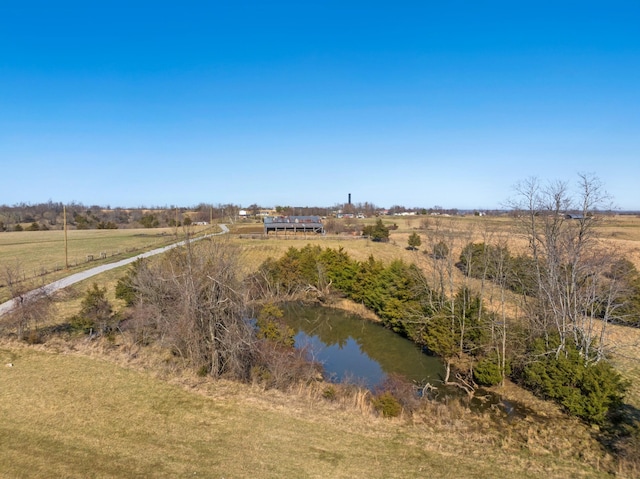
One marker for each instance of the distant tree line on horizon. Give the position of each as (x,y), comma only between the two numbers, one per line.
(49,215)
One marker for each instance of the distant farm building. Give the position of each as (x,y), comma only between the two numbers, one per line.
(293,224)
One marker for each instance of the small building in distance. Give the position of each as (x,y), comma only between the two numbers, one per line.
(293,224)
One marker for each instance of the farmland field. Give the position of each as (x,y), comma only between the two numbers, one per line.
(39,256)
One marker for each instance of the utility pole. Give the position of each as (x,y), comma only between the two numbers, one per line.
(66,247)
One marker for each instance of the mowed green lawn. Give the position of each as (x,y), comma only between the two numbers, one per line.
(63,415)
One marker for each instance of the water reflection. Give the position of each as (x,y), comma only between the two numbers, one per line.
(352,348)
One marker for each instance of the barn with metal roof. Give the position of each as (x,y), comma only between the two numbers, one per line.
(293,224)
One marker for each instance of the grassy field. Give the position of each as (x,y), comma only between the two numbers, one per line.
(67,415)
(39,256)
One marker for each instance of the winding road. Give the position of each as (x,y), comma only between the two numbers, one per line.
(77,277)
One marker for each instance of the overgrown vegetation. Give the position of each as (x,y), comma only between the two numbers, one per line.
(393,292)
(193,302)
(563,284)
(271,326)
(627,311)
(398,293)
(495,263)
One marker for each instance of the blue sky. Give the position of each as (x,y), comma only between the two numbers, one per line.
(300,103)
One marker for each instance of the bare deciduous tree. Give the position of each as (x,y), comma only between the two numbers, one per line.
(31,308)
(572,293)
(194,301)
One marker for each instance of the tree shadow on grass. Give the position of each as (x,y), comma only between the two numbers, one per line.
(621,436)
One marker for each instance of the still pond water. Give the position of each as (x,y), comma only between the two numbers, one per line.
(358,350)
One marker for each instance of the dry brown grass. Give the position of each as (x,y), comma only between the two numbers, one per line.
(625,355)
(93,410)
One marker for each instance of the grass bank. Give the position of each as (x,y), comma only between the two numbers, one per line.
(67,415)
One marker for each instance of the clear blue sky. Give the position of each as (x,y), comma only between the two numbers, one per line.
(420,103)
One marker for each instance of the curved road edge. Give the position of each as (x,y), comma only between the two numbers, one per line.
(81,276)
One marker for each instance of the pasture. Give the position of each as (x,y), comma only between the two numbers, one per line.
(38,257)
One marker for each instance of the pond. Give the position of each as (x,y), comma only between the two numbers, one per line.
(361,351)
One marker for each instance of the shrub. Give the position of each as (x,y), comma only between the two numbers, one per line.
(96,313)
(33,336)
(629,310)
(280,367)
(292,273)
(479,260)
(622,436)
(125,287)
(387,405)
(271,326)
(149,221)
(109,225)
(488,372)
(585,389)
(261,375)
(521,275)
(402,390)
(340,269)
(377,232)
(414,241)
